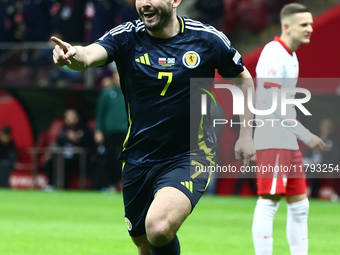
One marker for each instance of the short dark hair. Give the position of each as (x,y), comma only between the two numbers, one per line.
(290,9)
(6,130)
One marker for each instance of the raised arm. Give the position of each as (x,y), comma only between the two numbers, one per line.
(78,58)
(244,147)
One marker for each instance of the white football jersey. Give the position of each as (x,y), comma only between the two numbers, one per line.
(277,67)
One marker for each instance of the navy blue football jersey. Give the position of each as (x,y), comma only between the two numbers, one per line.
(155,79)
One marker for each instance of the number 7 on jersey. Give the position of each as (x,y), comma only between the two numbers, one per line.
(160,76)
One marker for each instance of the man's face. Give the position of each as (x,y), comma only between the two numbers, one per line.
(5,138)
(155,14)
(71,117)
(300,27)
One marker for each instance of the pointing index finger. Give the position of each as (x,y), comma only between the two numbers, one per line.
(59,42)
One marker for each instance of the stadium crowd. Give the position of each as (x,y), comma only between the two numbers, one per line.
(84,21)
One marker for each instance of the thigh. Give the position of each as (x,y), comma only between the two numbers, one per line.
(177,191)
(182,176)
(296,183)
(141,184)
(168,210)
(137,196)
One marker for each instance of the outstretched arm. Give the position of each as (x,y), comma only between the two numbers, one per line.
(244,147)
(78,58)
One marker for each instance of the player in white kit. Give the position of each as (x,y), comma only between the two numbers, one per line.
(276,144)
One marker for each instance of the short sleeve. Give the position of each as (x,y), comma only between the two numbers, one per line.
(229,60)
(269,64)
(114,39)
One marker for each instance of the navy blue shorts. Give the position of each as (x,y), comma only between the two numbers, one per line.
(141,183)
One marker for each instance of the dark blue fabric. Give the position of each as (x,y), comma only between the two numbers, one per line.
(160,125)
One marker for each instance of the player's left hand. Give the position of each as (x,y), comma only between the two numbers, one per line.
(244,149)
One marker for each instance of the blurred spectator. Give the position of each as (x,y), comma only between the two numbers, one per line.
(111,128)
(211,12)
(7,147)
(105,18)
(273,9)
(38,20)
(8,23)
(73,134)
(69,20)
(252,15)
(8,155)
(128,11)
(63,77)
(330,155)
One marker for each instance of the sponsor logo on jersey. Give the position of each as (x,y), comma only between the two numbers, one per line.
(143,59)
(128,224)
(166,61)
(191,59)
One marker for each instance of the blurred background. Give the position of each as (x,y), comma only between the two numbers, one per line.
(52,119)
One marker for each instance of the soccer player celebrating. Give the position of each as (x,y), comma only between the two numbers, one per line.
(156,56)
(276,145)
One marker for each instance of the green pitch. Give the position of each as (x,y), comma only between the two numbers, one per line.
(86,223)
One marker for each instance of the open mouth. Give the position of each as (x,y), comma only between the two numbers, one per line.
(149,15)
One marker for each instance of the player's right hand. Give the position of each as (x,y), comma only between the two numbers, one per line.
(316,143)
(63,52)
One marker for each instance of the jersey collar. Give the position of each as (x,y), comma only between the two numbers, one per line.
(182,24)
(278,39)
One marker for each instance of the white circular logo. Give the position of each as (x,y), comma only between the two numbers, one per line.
(191,59)
(128,224)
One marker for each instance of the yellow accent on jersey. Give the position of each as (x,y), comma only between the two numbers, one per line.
(144,59)
(125,144)
(147,60)
(182,23)
(188,185)
(202,145)
(195,163)
(169,75)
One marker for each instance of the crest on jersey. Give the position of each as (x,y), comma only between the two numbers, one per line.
(191,59)
(271,72)
(128,224)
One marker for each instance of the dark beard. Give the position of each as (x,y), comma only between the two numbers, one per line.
(164,20)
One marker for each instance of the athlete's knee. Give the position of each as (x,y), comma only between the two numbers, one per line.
(299,210)
(159,231)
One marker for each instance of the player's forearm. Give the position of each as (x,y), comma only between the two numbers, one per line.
(245,82)
(301,132)
(248,115)
(79,61)
(86,57)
